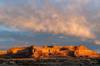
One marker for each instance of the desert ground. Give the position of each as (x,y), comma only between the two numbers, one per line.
(45,65)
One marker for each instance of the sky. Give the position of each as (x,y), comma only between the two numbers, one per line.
(49,22)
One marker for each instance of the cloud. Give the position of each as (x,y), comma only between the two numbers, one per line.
(49,17)
(97,50)
(97,42)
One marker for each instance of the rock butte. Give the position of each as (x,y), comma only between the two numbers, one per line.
(38,52)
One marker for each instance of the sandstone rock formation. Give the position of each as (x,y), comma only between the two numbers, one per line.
(14,50)
(3,53)
(83,51)
(38,52)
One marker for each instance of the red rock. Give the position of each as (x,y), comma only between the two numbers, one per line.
(83,51)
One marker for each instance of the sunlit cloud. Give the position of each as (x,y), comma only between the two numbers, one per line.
(49,18)
(97,42)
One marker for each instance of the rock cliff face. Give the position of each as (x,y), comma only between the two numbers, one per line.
(15,50)
(3,53)
(83,51)
(38,52)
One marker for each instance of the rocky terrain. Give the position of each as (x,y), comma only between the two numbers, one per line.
(38,52)
(72,55)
